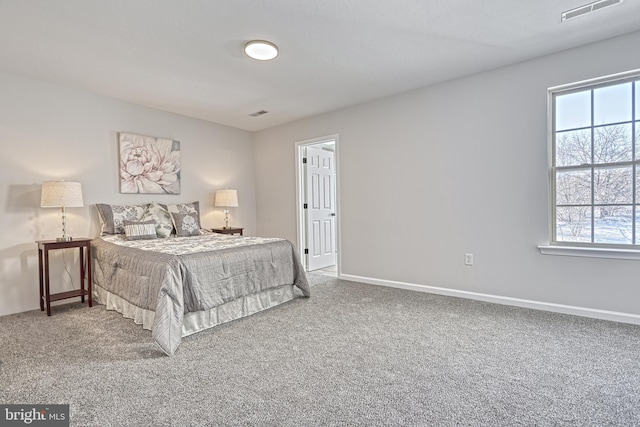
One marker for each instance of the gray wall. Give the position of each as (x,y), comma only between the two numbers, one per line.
(466,161)
(49,132)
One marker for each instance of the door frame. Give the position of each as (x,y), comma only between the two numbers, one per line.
(300,190)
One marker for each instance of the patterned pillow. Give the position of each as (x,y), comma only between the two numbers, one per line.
(183,208)
(186,224)
(164,225)
(112,217)
(138,230)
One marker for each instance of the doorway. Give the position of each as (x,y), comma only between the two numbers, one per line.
(317,199)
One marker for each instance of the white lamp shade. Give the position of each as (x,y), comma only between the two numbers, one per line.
(56,194)
(227,198)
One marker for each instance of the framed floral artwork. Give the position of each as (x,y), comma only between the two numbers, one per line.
(148,164)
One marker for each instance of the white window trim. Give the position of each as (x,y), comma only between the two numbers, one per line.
(590,252)
(575,250)
(594,82)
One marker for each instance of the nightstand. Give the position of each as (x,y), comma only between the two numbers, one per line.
(232,230)
(44,246)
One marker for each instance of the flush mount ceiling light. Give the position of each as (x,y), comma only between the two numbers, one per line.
(261,50)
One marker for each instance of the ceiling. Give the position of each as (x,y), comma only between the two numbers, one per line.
(185,56)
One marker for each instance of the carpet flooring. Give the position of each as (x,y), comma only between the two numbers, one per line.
(351,355)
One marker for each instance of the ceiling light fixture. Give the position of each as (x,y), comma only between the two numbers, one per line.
(261,50)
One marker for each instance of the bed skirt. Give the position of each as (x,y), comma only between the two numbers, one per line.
(200,320)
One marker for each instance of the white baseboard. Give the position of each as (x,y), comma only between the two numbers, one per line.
(517,302)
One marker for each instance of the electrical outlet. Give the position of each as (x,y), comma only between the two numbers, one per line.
(468,259)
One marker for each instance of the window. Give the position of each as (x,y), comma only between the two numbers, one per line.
(595,162)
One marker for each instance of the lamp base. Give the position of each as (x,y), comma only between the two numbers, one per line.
(64,239)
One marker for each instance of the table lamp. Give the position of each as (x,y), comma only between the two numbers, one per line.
(62,194)
(226,199)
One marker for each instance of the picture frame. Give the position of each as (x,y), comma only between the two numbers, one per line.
(148,164)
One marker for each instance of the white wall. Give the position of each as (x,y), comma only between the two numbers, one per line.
(49,132)
(467,162)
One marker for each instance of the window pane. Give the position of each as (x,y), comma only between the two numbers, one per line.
(573,188)
(638,187)
(638,139)
(612,144)
(637,82)
(573,110)
(612,224)
(596,163)
(612,104)
(573,224)
(573,148)
(613,185)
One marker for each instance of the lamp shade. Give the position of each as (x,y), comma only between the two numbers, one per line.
(227,198)
(56,194)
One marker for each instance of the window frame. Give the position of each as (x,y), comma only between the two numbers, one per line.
(591,248)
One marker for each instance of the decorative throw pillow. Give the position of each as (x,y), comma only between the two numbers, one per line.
(137,230)
(183,208)
(112,217)
(164,225)
(193,207)
(186,224)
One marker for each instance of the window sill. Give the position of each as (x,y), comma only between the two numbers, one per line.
(589,252)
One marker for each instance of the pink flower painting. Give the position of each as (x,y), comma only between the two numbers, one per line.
(149,165)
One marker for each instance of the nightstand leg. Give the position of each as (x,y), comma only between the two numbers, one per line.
(81,274)
(46,282)
(41,280)
(89,284)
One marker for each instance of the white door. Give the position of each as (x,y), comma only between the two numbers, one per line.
(320,208)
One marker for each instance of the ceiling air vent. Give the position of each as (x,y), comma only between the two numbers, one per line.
(587,8)
(258,113)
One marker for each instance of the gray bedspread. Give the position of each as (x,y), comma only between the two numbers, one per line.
(181,275)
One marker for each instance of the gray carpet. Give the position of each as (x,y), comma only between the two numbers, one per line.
(352,355)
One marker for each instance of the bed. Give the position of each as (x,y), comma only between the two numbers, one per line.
(179,285)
